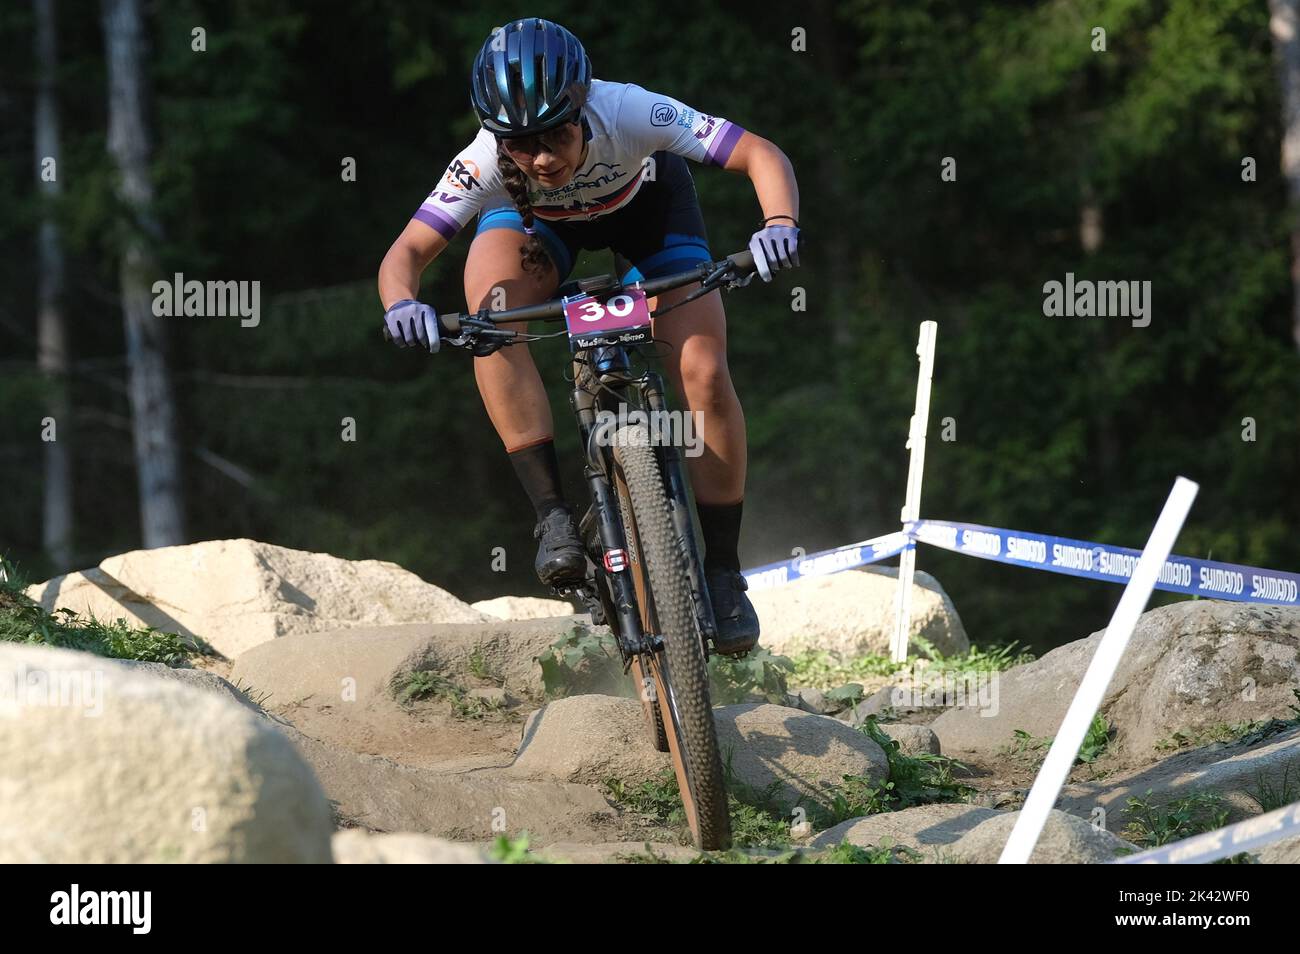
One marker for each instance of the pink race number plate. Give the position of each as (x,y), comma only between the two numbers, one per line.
(619,319)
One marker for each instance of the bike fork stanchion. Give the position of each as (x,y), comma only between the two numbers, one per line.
(679,499)
(917,431)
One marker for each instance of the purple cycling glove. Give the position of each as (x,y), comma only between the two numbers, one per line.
(409,323)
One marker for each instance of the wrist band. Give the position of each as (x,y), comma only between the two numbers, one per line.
(790,217)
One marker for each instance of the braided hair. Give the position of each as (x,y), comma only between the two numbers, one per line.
(533,254)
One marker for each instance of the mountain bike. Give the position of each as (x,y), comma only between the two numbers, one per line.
(645,578)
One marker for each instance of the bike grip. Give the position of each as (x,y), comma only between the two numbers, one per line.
(744,261)
(449,325)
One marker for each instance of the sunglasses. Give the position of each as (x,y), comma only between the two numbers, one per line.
(525,147)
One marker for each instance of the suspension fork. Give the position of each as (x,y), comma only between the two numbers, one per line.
(652,388)
(609,529)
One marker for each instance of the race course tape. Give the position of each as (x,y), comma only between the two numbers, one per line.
(1095,561)
(1223,842)
(827,561)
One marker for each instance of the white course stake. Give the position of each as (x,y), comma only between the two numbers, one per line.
(1086,702)
(917,431)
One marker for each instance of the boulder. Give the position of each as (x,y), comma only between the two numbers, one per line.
(922,828)
(1189,666)
(199,679)
(799,756)
(852,614)
(523,607)
(100,764)
(1065,840)
(381,795)
(236,594)
(912,739)
(1237,773)
(356,846)
(588,739)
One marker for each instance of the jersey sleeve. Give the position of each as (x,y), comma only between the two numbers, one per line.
(648,122)
(470,180)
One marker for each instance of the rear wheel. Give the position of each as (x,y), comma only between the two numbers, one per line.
(678,673)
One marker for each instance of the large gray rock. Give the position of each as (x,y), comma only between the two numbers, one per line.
(381,795)
(1233,772)
(801,756)
(852,614)
(341,687)
(1188,667)
(922,828)
(1065,840)
(359,847)
(102,765)
(236,594)
(912,739)
(588,739)
(199,679)
(1284,852)
(523,607)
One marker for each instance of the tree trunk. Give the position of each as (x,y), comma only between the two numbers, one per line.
(51,337)
(1284,25)
(153,414)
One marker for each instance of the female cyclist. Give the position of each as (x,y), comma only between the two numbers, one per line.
(565,162)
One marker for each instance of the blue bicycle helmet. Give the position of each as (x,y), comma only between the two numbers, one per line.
(529,77)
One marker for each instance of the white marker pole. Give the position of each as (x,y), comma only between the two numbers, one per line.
(917,431)
(1086,702)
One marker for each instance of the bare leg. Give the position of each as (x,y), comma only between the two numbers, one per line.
(508,381)
(697,366)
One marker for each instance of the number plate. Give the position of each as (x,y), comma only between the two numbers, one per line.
(619,319)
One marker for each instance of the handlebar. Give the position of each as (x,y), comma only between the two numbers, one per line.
(485,323)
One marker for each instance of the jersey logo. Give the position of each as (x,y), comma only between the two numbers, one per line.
(663,114)
(709,123)
(463,174)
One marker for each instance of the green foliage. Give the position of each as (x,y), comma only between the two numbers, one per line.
(419,684)
(819,669)
(920,779)
(1034,750)
(1270,795)
(24,621)
(1094,742)
(513,851)
(760,673)
(580,660)
(1241,733)
(1151,825)
(974,659)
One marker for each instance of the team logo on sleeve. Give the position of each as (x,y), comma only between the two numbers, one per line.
(663,114)
(707,129)
(463,174)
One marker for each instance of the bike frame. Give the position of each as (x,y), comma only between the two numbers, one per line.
(601,375)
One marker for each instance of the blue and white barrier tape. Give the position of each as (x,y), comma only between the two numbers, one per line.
(827,561)
(1223,842)
(1094,561)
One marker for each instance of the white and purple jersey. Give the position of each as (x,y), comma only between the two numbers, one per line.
(628,124)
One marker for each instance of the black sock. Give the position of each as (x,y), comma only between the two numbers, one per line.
(720,527)
(538,470)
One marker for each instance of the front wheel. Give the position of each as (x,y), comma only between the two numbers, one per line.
(678,672)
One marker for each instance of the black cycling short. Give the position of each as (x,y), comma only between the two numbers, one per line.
(659,232)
